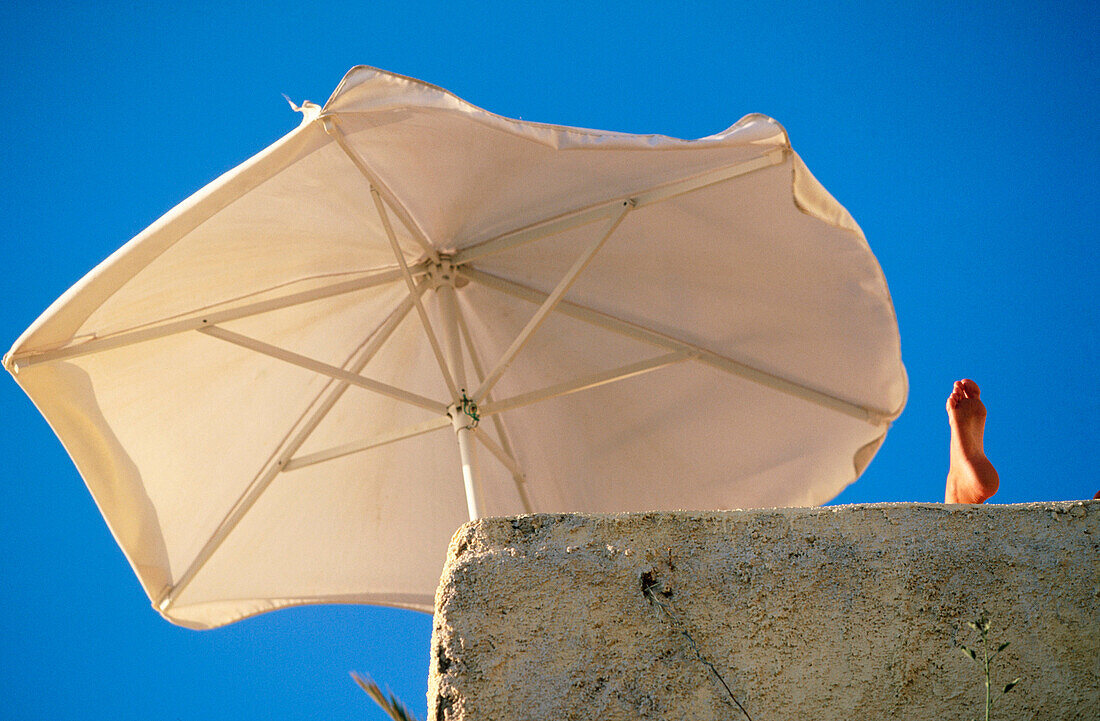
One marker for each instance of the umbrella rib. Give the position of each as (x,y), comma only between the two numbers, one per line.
(503,456)
(593,380)
(311,418)
(552,299)
(587,214)
(358,446)
(720,362)
(519,478)
(432,339)
(333,129)
(141,335)
(324,368)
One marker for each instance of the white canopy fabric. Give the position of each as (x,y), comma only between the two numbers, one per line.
(250,392)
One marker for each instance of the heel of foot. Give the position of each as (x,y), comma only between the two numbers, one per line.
(973,480)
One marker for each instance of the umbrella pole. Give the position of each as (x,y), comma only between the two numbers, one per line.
(463,436)
(460,411)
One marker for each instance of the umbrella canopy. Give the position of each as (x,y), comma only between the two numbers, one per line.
(263,390)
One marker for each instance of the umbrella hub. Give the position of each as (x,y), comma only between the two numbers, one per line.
(464,413)
(444,272)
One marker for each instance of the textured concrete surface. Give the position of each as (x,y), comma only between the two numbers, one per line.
(824,613)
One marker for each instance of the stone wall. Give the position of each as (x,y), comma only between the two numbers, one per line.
(824,613)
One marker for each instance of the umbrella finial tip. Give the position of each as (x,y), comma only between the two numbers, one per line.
(309,110)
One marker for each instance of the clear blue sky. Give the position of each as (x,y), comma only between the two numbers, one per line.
(960,136)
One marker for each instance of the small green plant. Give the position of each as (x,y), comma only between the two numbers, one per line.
(981,625)
(391,704)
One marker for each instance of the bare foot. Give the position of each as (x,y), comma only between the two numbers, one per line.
(971,477)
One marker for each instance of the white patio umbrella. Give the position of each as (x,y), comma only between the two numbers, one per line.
(297,384)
